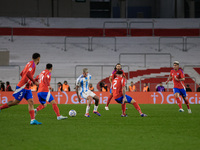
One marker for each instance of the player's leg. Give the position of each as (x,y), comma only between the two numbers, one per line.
(56,110)
(96,98)
(18,95)
(183,93)
(89,101)
(179,102)
(42,99)
(9,104)
(135,104)
(123,110)
(29,97)
(109,99)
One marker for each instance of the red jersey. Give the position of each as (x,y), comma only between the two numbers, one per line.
(27,75)
(117,85)
(178,74)
(44,81)
(113,74)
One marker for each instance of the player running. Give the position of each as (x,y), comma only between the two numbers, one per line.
(82,89)
(178,78)
(44,94)
(23,88)
(119,94)
(118,67)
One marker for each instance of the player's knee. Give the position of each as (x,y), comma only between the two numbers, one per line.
(30,102)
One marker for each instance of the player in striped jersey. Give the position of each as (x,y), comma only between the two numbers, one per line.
(23,89)
(82,89)
(178,78)
(44,94)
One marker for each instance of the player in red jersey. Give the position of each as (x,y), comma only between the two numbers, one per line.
(44,94)
(119,94)
(178,78)
(111,78)
(23,88)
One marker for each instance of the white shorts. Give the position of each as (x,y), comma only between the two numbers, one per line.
(86,94)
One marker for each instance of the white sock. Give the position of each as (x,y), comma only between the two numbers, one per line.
(87,109)
(95,108)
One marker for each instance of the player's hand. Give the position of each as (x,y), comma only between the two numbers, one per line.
(36,83)
(176,78)
(50,88)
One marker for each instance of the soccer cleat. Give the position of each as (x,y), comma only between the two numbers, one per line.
(106,108)
(189,111)
(87,115)
(35,110)
(62,117)
(181,110)
(35,122)
(125,115)
(143,115)
(96,112)
(126,108)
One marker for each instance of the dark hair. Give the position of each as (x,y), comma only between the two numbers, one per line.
(49,66)
(35,55)
(119,72)
(8,83)
(116,66)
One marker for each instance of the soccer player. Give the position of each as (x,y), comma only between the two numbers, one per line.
(44,94)
(118,67)
(119,94)
(178,77)
(82,90)
(23,88)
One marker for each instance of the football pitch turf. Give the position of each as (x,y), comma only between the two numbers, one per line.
(164,129)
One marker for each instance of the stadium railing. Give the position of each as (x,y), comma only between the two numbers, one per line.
(146,22)
(145,54)
(170,37)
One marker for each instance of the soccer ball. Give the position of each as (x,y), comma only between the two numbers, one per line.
(72,113)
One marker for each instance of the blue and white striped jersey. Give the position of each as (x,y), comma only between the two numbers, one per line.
(83,83)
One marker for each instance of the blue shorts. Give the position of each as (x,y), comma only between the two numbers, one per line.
(182,92)
(110,90)
(45,96)
(119,100)
(19,94)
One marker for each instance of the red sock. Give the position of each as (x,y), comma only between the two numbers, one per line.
(123,109)
(109,99)
(187,104)
(137,107)
(40,107)
(32,114)
(4,106)
(179,103)
(56,109)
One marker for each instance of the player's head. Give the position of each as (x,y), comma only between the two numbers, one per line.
(36,58)
(176,65)
(119,73)
(85,72)
(49,67)
(118,66)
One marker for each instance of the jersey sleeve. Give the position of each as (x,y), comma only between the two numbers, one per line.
(78,82)
(123,82)
(182,75)
(124,75)
(171,73)
(47,80)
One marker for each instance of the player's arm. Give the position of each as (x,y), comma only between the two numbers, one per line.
(169,78)
(79,99)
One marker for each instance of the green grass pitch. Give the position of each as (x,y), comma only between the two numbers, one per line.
(164,129)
